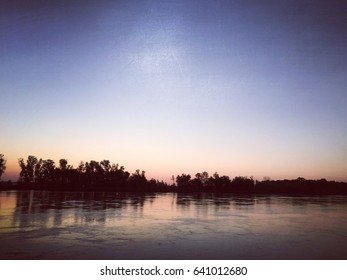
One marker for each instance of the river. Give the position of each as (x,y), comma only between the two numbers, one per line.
(73,225)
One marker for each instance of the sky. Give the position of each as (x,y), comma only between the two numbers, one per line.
(242,88)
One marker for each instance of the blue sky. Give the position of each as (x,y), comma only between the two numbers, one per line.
(238,87)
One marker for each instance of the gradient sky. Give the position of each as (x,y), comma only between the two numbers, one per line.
(250,88)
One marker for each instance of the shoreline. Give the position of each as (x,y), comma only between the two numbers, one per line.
(260,188)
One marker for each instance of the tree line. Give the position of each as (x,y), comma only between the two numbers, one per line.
(106,176)
(90,175)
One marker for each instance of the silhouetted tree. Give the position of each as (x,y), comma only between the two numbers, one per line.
(196,184)
(218,182)
(81,167)
(173,180)
(152,184)
(63,164)
(105,165)
(183,180)
(38,174)
(202,177)
(225,181)
(27,174)
(2,164)
(114,176)
(156,185)
(242,184)
(45,171)
(31,166)
(63,171)
(137,179)
(93,173)
(300,179)
(23,175)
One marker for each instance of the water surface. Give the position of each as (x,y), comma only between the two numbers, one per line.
(63,225)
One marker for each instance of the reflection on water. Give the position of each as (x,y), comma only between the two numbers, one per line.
(63,225)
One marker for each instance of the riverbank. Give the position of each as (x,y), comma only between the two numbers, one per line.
(287,187)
